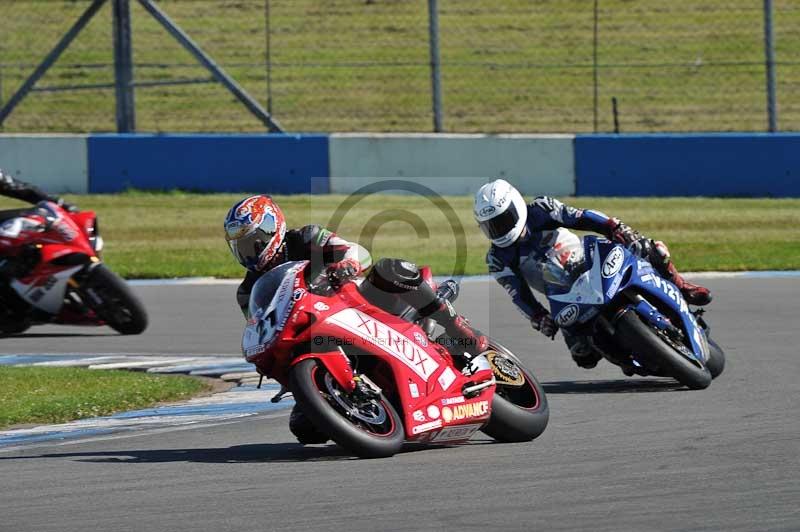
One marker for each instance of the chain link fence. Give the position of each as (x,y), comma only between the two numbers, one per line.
(365,65)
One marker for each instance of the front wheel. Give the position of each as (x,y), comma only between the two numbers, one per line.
(716,359)
(659,352)
(370,427)
(109,296)
(519,409)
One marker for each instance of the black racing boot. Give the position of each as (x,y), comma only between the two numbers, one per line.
(465,337)
(302,428)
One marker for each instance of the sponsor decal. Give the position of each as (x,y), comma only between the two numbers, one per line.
(614,286)
(486,211)
(388,340)
(453,400)
(298,294)
(447,378)
(669,289)
(425,427)
(465,411)
(413,389)
(418,416)
(568,315)
(420,338)
(320,306)
(433,412)
(461,432)
(613,262)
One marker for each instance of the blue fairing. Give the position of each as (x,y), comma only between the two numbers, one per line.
(609,269)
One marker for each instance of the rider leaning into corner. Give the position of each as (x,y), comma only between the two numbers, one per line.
(522,234)
(255,229)
(13,266)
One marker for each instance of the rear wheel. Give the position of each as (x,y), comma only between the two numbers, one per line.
(519,409)
(113,301)
(370,427)
(661,355)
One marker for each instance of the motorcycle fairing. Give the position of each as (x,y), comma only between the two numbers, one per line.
(427,386)
(602,282)
(45,293)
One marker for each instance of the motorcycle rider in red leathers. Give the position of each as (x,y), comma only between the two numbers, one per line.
(256,233)
(522,234)
(16,263)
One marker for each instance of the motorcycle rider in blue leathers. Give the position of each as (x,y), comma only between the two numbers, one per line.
(522,234)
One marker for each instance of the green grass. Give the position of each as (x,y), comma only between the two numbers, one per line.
(180,234)
(353,65)
(55,395)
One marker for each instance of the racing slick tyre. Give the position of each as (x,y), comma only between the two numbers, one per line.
(659,351)
(716,359)
(111,298)
(369,427)
(519,409)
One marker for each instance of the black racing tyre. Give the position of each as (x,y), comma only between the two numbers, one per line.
(656,351)
(519,408)
(113,301)
(369,428)
(716,359)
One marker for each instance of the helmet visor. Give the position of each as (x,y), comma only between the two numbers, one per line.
(500,225)
(249,247)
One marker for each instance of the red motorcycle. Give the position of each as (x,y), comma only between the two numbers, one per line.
(372,379)
(65,281)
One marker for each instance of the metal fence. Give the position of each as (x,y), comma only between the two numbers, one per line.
(367,65)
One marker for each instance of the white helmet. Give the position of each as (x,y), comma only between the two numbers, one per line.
(501,212)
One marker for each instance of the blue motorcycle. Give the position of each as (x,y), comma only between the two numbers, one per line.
(629,314)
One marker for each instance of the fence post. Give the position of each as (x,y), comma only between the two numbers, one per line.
(268,54)
(436,80)
(594,62)
(123,67)
(769,50)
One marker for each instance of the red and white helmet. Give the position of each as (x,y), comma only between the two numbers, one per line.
(255,229)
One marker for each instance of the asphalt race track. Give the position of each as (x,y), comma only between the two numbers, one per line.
(619,453)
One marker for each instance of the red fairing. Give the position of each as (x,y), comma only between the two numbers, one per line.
(415,373)
(61,240)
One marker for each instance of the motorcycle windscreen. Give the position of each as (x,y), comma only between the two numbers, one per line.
(271,303)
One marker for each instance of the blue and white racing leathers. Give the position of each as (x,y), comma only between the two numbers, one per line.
(518,267)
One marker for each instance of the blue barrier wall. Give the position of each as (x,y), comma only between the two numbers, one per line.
(688,165)
(276,164)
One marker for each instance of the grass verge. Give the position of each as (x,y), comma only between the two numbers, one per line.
(56,395)
(154,235)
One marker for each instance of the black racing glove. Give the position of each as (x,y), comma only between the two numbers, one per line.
(622,233)
(543,323)
(343,271)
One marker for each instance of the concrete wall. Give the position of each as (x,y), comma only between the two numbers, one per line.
(755,165)
(453,164)
(55,163)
